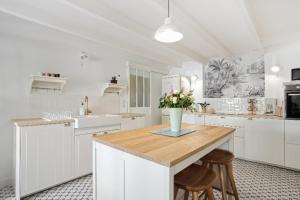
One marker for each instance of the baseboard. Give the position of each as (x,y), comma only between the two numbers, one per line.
(5,182)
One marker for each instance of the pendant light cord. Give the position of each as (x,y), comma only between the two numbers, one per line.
(168,8)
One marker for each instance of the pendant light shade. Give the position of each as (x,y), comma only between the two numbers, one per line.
(168,32)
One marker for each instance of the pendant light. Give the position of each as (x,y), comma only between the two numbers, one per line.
(168,32)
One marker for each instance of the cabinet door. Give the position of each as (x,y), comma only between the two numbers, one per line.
(133,123)
(189,118)
(83,154)
(264,140)
(292,131)
(292,152)
(46,156)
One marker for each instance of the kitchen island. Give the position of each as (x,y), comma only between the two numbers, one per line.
(136,164)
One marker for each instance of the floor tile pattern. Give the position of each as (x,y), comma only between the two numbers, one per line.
(254,182)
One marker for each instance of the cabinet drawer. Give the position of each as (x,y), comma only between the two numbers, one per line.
(292,152)
(292,131)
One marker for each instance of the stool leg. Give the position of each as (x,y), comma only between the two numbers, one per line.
(195,196)
(223,187)
(186,195)
(231,179)
(175,191)
(210,194)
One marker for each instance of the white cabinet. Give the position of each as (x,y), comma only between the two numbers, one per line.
(292,143)
(264,140)
(239,142)
(83,154)
(83,147)
(292,131)
(192,118)
(132,123)
(45,158)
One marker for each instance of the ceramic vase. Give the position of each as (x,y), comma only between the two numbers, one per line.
(175,119)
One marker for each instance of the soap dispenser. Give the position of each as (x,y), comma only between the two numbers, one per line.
(81,109)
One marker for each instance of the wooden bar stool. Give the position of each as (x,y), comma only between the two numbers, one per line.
(195,179)
(222,158)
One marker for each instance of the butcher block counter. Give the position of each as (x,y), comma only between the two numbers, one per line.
(137,164)
(162,149)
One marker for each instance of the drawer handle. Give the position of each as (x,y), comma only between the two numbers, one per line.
(67,124)
(250,118)
(222,117)
(105,132)
(132,118)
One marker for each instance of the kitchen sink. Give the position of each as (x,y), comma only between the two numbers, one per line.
(88,121)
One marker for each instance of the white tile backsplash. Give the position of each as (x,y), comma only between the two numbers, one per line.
(236,105)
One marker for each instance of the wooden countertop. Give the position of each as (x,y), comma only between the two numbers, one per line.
(39,121)
(164,150)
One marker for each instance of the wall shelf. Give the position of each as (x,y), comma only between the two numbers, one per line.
(112,88)
(47,83)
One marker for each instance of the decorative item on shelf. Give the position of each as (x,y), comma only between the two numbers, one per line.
(114,79)
(251,107)
(204,106)
(176,102)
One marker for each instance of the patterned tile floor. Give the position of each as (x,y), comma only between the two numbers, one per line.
(254,182)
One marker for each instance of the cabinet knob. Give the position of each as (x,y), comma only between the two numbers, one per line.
(132,118)
(105,132)
(250,118)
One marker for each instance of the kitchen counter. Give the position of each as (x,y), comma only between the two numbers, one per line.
(136,164)
(164,150)
(129,115)
(262,116)
(21,122)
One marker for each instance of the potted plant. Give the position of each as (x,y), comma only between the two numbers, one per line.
(176,102)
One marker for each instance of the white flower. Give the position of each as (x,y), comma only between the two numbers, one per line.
(174,100)
(181,96)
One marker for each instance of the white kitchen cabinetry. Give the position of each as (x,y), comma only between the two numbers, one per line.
(132,123)
(44,157)
(264,140)
(192,118)
(83,147)
(292,143)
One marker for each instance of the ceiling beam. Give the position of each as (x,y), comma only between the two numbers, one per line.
(113,16)
(185,18)
(246,12)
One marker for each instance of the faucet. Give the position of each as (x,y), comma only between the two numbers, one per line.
(86,106)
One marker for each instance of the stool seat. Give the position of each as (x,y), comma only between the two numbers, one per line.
(195,178)
(218,156)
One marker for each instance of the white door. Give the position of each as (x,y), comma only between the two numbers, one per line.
(264,140)
(46,156)
(83,154)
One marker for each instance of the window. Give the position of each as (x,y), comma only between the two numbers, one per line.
(139,84)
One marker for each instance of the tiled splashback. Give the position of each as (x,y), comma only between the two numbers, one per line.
(239,105)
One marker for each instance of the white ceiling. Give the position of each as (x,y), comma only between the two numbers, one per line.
(210,27)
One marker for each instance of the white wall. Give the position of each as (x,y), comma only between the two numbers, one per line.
(287,57)
(45,50)
(188,69)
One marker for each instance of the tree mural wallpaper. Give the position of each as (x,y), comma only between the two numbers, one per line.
(242,76)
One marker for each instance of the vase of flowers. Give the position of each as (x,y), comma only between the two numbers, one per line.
(176,102)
